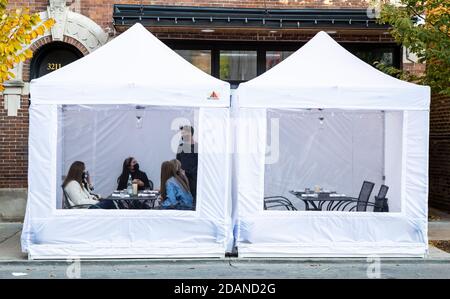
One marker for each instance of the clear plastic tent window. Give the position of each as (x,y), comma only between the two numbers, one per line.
(103,136)
(330,153)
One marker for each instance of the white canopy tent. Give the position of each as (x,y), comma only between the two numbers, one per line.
(323,119)
(128,98)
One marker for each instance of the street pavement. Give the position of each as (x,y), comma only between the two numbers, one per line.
(228,268)
(14,264)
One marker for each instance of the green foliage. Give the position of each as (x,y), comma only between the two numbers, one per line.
(422,26)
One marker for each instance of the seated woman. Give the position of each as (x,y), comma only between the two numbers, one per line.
(131,167)
(77,192)
(175,193)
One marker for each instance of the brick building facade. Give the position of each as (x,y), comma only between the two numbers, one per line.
(439,168)
(84,25)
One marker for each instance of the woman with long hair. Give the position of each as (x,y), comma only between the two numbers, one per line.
(175,193)
(76,188)
(131,167)
(180,174)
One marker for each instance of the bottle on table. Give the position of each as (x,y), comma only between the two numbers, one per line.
(129,185)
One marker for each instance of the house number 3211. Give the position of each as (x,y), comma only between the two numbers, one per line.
(53,66)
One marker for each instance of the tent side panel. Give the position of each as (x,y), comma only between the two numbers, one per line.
(338,250)
(38,252)
(289,234)
(393,161)
(214,194)
(416,169)
(41,167)
(102,237)
(251,147)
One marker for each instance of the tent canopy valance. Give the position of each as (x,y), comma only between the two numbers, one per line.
(322,74)
(133,68)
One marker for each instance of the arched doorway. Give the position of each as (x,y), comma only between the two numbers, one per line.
(51,57)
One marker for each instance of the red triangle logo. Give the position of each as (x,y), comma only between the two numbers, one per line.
(214,96)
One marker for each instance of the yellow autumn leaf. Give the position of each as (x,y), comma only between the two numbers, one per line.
(40,31)
(18,28)
(28,53)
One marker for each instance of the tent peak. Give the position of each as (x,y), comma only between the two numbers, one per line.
(137,26)
(322,35)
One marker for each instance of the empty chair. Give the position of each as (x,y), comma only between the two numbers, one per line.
(271,202)
(363,198)
(383,191)
(381,204)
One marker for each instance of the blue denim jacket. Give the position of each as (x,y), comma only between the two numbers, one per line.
(176,197)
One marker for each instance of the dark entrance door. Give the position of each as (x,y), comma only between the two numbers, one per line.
(51,57)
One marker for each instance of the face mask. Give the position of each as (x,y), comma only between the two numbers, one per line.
(136,167)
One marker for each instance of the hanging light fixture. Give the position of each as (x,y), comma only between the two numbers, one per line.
(140,111)
(321,118)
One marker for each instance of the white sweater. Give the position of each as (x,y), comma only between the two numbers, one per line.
(78,195)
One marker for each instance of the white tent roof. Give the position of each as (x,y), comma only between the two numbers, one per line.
(135,67)
(322,74)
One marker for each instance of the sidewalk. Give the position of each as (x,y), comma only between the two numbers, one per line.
(438,225)
(10,242)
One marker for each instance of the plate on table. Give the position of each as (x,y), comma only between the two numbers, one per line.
(118,195)
(151,192)
(309,195)
(337,195)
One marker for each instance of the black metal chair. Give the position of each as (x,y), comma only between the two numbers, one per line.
(357,204)
(381,202)
(363,198)
(68,205)
(383,191)
(271,202)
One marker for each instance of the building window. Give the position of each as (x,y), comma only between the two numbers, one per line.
(370,56)
(199,58)
(275,57)
(237,62)
(237,65)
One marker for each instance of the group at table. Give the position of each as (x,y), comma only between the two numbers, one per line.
(177,190)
